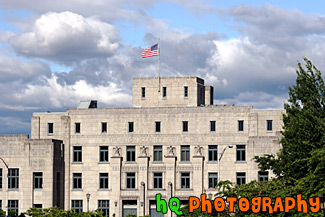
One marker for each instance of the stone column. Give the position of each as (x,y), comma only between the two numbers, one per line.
(116,165)
(143,162)
(170,175)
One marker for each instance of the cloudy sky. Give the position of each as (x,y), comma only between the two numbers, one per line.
(55,53)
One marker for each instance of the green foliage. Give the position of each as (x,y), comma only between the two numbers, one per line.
(2,213)
(55,212)
(131,215)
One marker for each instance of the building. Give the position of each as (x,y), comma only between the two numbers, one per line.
(168,142)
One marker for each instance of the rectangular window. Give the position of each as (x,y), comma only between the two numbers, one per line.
(240,178)
(164,92)
(77,154)
(130,180)
(143,92)
(185,180)
(240,153)
(185,91)
(269,125)
(263,176)
(50,128)
(38,206)
(185,126)
(104,127)
(103,180)
(76,205)
(212,126)
(185,153)
(103,153)
(157,126)
(13,179)
(103,205)
(213,153)
(77,181)
(38,180)
(0,178)
(213,180)
(157,153)
(157,180)
(77,127)
(13,205)
(240,126)
(130,153)
(131,127)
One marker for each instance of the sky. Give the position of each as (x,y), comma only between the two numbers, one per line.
(54,54)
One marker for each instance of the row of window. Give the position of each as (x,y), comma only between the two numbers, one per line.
(13,179)
(12,205)
(269,126)
(158,153)
(164,92)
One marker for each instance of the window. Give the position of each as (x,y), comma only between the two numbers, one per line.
(104,127)
(103,205)
(143,92)
(13,205)
(185,126)
(185,180)
(130,180)
(130,153)
(103,180)
(263,176)
(0,204)
(213,153)
(103,153)
(38,180)
(240,126)
(185,153)
(157,127)
(213,180)
(131,127)
(77,180)
(269,125)
(157,180)
(77,127)
(157,153)
(38,206)
(0,178)
(185,91)
(212,126)
(76,205)
(241,178)
(13,179)
(240,153)
(50,128)
(77,154)
(164,92)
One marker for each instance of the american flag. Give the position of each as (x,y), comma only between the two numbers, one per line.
(150,51)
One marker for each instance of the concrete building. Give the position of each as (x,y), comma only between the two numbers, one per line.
(168,142)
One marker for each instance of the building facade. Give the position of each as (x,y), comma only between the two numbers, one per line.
(168,142)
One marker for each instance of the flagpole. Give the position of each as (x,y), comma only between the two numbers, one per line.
(159,65)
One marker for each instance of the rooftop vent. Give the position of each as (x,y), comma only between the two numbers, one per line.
(87,104)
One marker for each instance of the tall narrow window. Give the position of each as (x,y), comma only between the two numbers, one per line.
(76,205)
(213,180)
(213,153)
(38,180)
(164,92)
(185,180)
(240,153)
(212,126)
(269,125)
(263,176)
(50,128)
(38,206)
(77,127)
(0,178)
(157,180)
(240,126)
(185,91)
(104,127)
(0,204)
(77,181)
(103,154)
(130,180)
(13,205)
(185,153)
(77,154)
(143,92)
(157,153)
(13,179)
(185,126)
(103,180)
(131,127)
(157,126)
(240,178)
(130,153)
(103,205)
